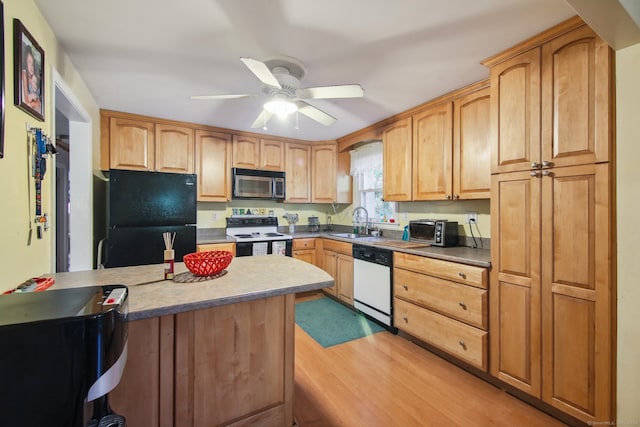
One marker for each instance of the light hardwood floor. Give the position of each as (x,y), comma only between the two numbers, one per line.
(386,380)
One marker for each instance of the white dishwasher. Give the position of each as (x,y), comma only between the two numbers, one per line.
(372,282)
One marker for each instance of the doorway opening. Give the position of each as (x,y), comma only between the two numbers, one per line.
(72,247)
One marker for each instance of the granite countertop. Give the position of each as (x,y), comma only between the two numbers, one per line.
(472,256)
(247,278)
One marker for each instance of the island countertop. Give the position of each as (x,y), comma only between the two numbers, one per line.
(247,278)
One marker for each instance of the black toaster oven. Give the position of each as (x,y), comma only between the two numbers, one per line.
(436,232)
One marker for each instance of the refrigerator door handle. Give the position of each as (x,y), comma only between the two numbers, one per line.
(99,263)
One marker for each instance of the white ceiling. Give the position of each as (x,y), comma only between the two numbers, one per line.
(149,56)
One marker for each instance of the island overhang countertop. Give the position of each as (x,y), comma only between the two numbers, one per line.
(247,278)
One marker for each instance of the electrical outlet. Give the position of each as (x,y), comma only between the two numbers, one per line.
(214,216)
(405,215)
(472,216)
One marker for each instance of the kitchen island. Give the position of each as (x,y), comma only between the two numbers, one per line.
(217,352)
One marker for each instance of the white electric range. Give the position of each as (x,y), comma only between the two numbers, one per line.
(258,235)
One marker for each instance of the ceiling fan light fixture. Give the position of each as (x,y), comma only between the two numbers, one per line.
(280,107)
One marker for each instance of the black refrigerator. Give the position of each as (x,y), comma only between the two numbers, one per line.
(142,206)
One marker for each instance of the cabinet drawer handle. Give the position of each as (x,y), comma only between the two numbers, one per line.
(406,319)
(462,344)
(547,164)
(547,173)
(463,305)
(461,274)
(456,196)
(406,288)
(535,174)
(448,196)
(535,165)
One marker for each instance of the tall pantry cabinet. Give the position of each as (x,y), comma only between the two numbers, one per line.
(553,286)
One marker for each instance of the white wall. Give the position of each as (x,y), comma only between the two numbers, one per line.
(628,205)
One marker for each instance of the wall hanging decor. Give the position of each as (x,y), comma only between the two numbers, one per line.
(28,59)
(39,147)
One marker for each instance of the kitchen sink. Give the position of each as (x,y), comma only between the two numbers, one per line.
(349,235)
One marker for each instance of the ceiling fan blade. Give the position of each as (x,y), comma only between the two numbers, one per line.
(261,71)
(262,119)
(230,96)
(316,114)
(325,92)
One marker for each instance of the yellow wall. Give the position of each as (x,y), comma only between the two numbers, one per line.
(628,206)
(212,215)
(18,259)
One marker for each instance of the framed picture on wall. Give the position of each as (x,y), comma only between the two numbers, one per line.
(28,59)
(1,81)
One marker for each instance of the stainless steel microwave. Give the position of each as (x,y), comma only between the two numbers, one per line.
(258,184)
(436,232)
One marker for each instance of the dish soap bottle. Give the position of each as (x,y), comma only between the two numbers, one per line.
(405,233)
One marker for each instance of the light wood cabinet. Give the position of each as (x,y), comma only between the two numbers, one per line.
(344,275)
(551,104)
(305,249)
(145,392)
(515,112)
(323,173)
(551,205)
(229,246)
(213,166)
(226,365)
(445,304)
(441,152)
(246,152)
(257,153)
(577,297)
(337,261)
(472,146)
(515,281)
(432,153)
(272,154)
(219,379)
(344,182)
(576,99)
(397,161)
(174,149)
(134,143)
(298,173)
(131,144)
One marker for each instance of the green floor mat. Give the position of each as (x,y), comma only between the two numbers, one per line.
(330,323)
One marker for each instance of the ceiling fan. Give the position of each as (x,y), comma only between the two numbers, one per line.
(281,77)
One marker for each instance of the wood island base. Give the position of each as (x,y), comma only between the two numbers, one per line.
(228,365)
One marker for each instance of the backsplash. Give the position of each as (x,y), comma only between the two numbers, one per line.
(212,215)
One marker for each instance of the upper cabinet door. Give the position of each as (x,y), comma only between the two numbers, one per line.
(323,173)
(271,155)
(576,99)
(246,152)
(397,165)
(174,149)
(432,153)
(213,160)
(298,173)
(131,144)
(515,113)
(472,146)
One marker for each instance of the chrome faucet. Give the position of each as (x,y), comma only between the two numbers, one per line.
(356,219)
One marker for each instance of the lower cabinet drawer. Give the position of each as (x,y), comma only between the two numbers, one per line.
(463,302)
(459,339)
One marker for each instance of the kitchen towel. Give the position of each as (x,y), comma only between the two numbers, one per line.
(331,323)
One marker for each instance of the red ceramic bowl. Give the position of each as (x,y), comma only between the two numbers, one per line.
(207,263)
